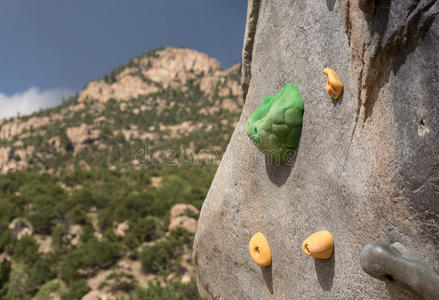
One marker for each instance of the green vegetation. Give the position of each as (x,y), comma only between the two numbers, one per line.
(121,150)
(54,286)
(5,272)
(173,291)
(161,256)
(54,203)
(152,114)
(76,290)
(71,195)
(119,281)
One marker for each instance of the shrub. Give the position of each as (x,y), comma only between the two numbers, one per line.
(5,271)
(189,213)
(69,267)
(119,281)
(106,219)
(76,290)
(92,254)
(87,233)
(17,287)
(39,273)
(44,197)
(148,229)
(54,286)
(156,258)
(5,239)
(78,216)
(26,250)
(173,291)
(57,236)
(143,230)
(99,253)
(84,198)
(10,207)
(159,256)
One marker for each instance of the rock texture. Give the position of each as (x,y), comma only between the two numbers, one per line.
(178,218)
(15,127)
(121,228)
(168,67)
(367,165)
(82,135)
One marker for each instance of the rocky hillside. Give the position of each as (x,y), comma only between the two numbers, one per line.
(175,100)
(100,196)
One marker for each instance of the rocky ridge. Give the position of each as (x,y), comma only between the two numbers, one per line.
(156,88)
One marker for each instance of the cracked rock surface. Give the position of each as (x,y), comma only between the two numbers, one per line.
(366,167)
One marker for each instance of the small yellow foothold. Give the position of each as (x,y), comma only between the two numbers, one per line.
(333,85)
(320,244)
(260,250)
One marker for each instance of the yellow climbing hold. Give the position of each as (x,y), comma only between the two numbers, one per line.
(333,85)
(260,250)
(320,244)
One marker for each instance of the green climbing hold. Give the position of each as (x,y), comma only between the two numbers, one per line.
(274,127)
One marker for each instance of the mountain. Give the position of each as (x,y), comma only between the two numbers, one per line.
(100,195)
(171,99)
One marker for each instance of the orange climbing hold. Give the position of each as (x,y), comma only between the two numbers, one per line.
(260,250)
(320,244)
(333,85)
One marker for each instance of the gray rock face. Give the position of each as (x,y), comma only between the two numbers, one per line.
(367,165)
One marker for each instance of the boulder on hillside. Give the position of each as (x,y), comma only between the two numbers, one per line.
(82,135)
(13,160)
(44,243)
(121,228)
(179,219)
(180,209)
(20,227)
(73,237)
(190,224)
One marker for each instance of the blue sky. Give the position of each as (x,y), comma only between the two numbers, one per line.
(51,48)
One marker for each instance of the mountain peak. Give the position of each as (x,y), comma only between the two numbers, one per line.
(151,72)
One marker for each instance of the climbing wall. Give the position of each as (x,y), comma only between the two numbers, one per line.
(366,167)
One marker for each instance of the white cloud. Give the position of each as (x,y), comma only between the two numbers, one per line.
(31,100)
